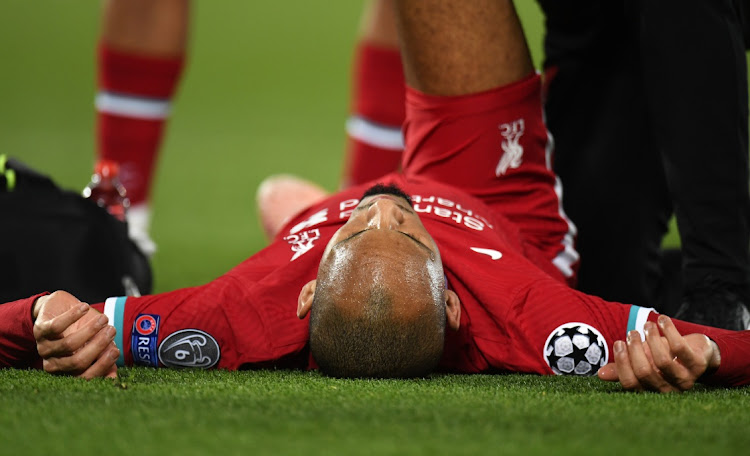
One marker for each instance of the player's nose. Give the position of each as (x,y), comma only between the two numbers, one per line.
(385,214)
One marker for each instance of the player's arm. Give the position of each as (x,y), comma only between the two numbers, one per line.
(664,363)
(17,346)
(661,354)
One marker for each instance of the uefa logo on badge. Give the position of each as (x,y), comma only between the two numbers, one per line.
(145,325)
(144,335)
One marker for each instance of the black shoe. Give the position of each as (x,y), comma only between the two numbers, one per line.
(715,303)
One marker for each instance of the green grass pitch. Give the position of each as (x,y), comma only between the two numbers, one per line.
(266,91)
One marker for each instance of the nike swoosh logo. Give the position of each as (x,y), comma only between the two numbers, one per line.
(494,254)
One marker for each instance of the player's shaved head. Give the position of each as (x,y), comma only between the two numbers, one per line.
(379,307)
(379,323)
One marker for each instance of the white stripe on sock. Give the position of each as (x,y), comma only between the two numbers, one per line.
(370,133)
(129,106)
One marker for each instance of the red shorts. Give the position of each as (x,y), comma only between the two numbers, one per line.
(495,146)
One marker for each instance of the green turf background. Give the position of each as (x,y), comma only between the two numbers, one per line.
(265,92)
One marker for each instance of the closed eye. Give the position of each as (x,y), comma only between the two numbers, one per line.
(420,243)
(417,241)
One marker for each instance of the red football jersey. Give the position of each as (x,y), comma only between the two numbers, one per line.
(515,317)
(249,314)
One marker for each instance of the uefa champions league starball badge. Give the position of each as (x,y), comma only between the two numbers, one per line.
(576,349)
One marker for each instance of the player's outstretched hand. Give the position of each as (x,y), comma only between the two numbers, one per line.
(664,363)
(72,338)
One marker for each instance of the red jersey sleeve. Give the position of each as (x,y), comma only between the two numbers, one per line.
(569,331)
(17,344)
(188,327)
(735,359)
(559,330)
(247,317)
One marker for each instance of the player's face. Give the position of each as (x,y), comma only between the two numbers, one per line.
(384,213)
(384,240)
(392,221)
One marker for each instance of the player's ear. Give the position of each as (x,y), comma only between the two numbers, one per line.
(452,310)
(304,302)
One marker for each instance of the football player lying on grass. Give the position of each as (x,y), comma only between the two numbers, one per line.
(461,262)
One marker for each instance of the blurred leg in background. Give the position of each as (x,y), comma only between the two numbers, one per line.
(140,58)
(374,139)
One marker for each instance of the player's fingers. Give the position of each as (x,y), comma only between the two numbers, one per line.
(69,344)
(657,345)
(608,372)
(83,358)
(677,343)
(649,355)
(664,359)
(643,369)
(625,374)
(104,366)
(691,364)
(52,328)
(112,371)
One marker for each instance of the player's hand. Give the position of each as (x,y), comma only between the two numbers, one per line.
(664,363)
(72,338)
(282,196)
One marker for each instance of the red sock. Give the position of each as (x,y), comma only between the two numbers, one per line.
(374,139)
(133,102)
